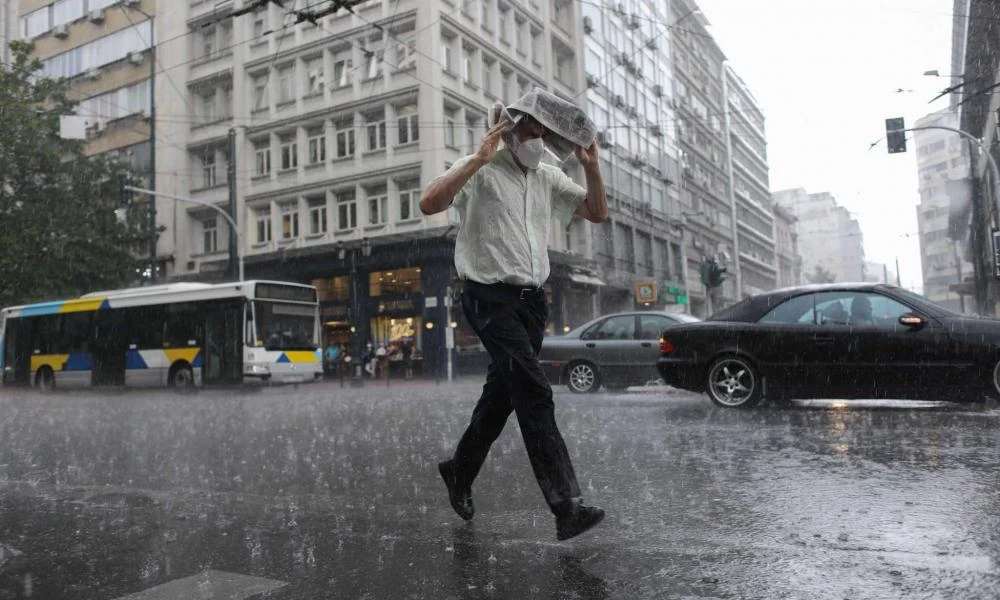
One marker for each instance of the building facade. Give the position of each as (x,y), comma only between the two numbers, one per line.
(322,135)
(830,240)
(943,171)
(104,48)
(787,248)
(749,187)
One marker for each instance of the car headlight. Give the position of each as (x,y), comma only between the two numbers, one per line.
(258,370)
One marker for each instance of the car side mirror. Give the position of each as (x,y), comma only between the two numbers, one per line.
(912,320)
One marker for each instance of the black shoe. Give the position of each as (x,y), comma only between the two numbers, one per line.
(576,520)
(461,499)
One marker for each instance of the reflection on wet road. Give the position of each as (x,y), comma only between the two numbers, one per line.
(323,492)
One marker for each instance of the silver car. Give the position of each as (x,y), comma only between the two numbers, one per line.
(616,350)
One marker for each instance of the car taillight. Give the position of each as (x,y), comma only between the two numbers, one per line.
(665,346)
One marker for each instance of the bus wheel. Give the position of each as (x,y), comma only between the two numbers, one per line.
(181,377)
(45,380)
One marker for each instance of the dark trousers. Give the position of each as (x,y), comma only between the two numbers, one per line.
(510,322)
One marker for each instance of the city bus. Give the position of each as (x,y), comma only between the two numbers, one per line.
(179,335)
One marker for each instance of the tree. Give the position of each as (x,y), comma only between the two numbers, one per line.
(60,236)
(821,275)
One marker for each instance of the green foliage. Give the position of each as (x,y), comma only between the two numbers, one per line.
(59,236)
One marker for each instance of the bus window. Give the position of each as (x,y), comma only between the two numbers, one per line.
(47,335)
(182,327)
(145,327)
(77,331)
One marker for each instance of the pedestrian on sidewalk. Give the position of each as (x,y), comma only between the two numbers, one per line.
(506,199)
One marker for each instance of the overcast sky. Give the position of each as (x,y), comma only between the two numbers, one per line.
(826,73)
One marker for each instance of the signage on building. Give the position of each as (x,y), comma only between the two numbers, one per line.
(430,302)
(645,292)
(675,295)
(996,253)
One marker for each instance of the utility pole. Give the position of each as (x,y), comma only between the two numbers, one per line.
(898,280)
(231,175)
(152,149)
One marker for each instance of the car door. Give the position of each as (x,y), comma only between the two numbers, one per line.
(784,344)
(650,330)
(898,361)
(611,346)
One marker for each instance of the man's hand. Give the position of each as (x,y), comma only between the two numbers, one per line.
(491,141)
(587,156)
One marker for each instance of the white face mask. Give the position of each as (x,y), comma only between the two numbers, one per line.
(528,153)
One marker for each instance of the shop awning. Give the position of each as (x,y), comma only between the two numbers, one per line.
(586,279)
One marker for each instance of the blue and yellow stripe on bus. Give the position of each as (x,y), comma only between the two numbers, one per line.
(62,306)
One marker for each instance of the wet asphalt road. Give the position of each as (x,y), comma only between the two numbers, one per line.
(324,492)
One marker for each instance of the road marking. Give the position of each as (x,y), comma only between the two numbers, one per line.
(209,584)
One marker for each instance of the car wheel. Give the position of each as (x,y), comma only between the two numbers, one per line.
(45,380)
(181,377)
(733,383)
(583,378)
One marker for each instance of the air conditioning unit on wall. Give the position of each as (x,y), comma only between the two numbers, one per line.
(96,16)
(60,31)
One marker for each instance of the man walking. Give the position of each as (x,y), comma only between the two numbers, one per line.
(506,200)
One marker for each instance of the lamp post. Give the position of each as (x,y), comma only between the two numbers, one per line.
(366,250)
(225,215)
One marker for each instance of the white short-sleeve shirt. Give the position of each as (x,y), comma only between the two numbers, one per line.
(506,216)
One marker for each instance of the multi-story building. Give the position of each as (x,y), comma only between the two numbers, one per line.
(943,171)
(787,248)
(103,48)
(749,188)
(627,74)
(830,239)
(705,197)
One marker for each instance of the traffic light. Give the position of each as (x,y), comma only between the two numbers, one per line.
(712,273)
(895,135)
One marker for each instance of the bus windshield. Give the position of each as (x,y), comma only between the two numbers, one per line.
(284,326)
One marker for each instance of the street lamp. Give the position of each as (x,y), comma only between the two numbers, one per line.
(366,251)
(225,215)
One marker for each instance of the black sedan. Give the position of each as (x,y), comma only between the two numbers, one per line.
(838,341)
(616,350)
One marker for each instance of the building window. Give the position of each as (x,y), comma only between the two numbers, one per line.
(317,215)
(206,105)
(342,73)
(210,236)
(317,147)
(376,135)
(467,65)
(409,130)
(486,16)
(347,210)
(406,55)
(227,102)
(263,155)
(374,63)
(259,92)
(398,281)
(409,197)
(289,155)
(286,84)
(263,218)
(207,41)
(67,11)
(345,143)
(35,23)
(259,22)
(487,75)
(316,75)
(504,24)
(449,128)
(208,178)
(289,220)
(446,54)
(378,206)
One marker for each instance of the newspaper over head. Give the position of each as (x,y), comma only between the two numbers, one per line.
(567,124)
